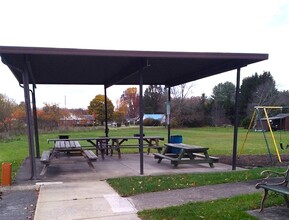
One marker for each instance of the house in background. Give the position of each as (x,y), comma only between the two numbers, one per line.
(278,122)
(154,117)
(77,120)
(159,117)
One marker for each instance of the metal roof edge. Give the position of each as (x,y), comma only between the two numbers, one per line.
(129,53)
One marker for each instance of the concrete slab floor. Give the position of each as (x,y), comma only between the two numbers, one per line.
(75,168)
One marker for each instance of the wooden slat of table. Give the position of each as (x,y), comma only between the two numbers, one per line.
(67,145)
(187,147)
(74,144)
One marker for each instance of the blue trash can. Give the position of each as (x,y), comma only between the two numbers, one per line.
(176,139)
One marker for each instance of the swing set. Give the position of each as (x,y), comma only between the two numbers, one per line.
(271,127)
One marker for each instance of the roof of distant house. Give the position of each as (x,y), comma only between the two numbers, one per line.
(154,116)
(276,117)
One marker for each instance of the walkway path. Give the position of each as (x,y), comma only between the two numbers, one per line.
(201,193)
(82,200)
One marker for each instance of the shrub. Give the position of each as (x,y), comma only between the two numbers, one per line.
(245,123)
(151,122)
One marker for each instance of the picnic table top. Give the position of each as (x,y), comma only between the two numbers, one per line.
(104,138)
(67,144)
(186,146)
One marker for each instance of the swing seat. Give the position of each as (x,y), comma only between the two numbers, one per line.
(281,146)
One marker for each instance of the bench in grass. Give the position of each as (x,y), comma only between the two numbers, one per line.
(281,187)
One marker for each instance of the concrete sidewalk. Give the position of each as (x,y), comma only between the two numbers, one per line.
(82,200)
(201,193)
(97,200)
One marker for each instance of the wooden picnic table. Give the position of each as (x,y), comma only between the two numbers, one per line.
(103,144)
(70,148)
(151,142)
(185,154)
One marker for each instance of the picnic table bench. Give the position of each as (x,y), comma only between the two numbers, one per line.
(45,158)
(280,187)
(185,154)
(89,154)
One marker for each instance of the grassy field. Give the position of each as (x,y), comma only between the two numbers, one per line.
(219,140)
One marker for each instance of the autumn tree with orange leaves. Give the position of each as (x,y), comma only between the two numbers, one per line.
(49,115)
(130,100)
(7,107)
(120,113)
(19,117)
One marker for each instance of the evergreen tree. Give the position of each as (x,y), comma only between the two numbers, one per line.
(154,99)
(223,98)
(257,90)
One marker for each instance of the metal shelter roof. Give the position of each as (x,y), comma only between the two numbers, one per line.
(36,65)
(109,67)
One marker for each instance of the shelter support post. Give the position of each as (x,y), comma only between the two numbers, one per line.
(105,111)
(141,113)
(236,122)
(25,76)
(168,109)
(35,123)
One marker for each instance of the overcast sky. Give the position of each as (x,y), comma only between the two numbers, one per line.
(249,26)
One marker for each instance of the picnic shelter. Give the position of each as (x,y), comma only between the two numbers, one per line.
(33,66)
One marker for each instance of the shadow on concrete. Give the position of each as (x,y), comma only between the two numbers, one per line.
(271,213)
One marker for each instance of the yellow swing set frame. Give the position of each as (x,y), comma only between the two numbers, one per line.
(256,111)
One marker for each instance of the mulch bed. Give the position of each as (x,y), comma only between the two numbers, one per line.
(251,161)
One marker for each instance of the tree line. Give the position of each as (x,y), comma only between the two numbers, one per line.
(197,111)
(186,110)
